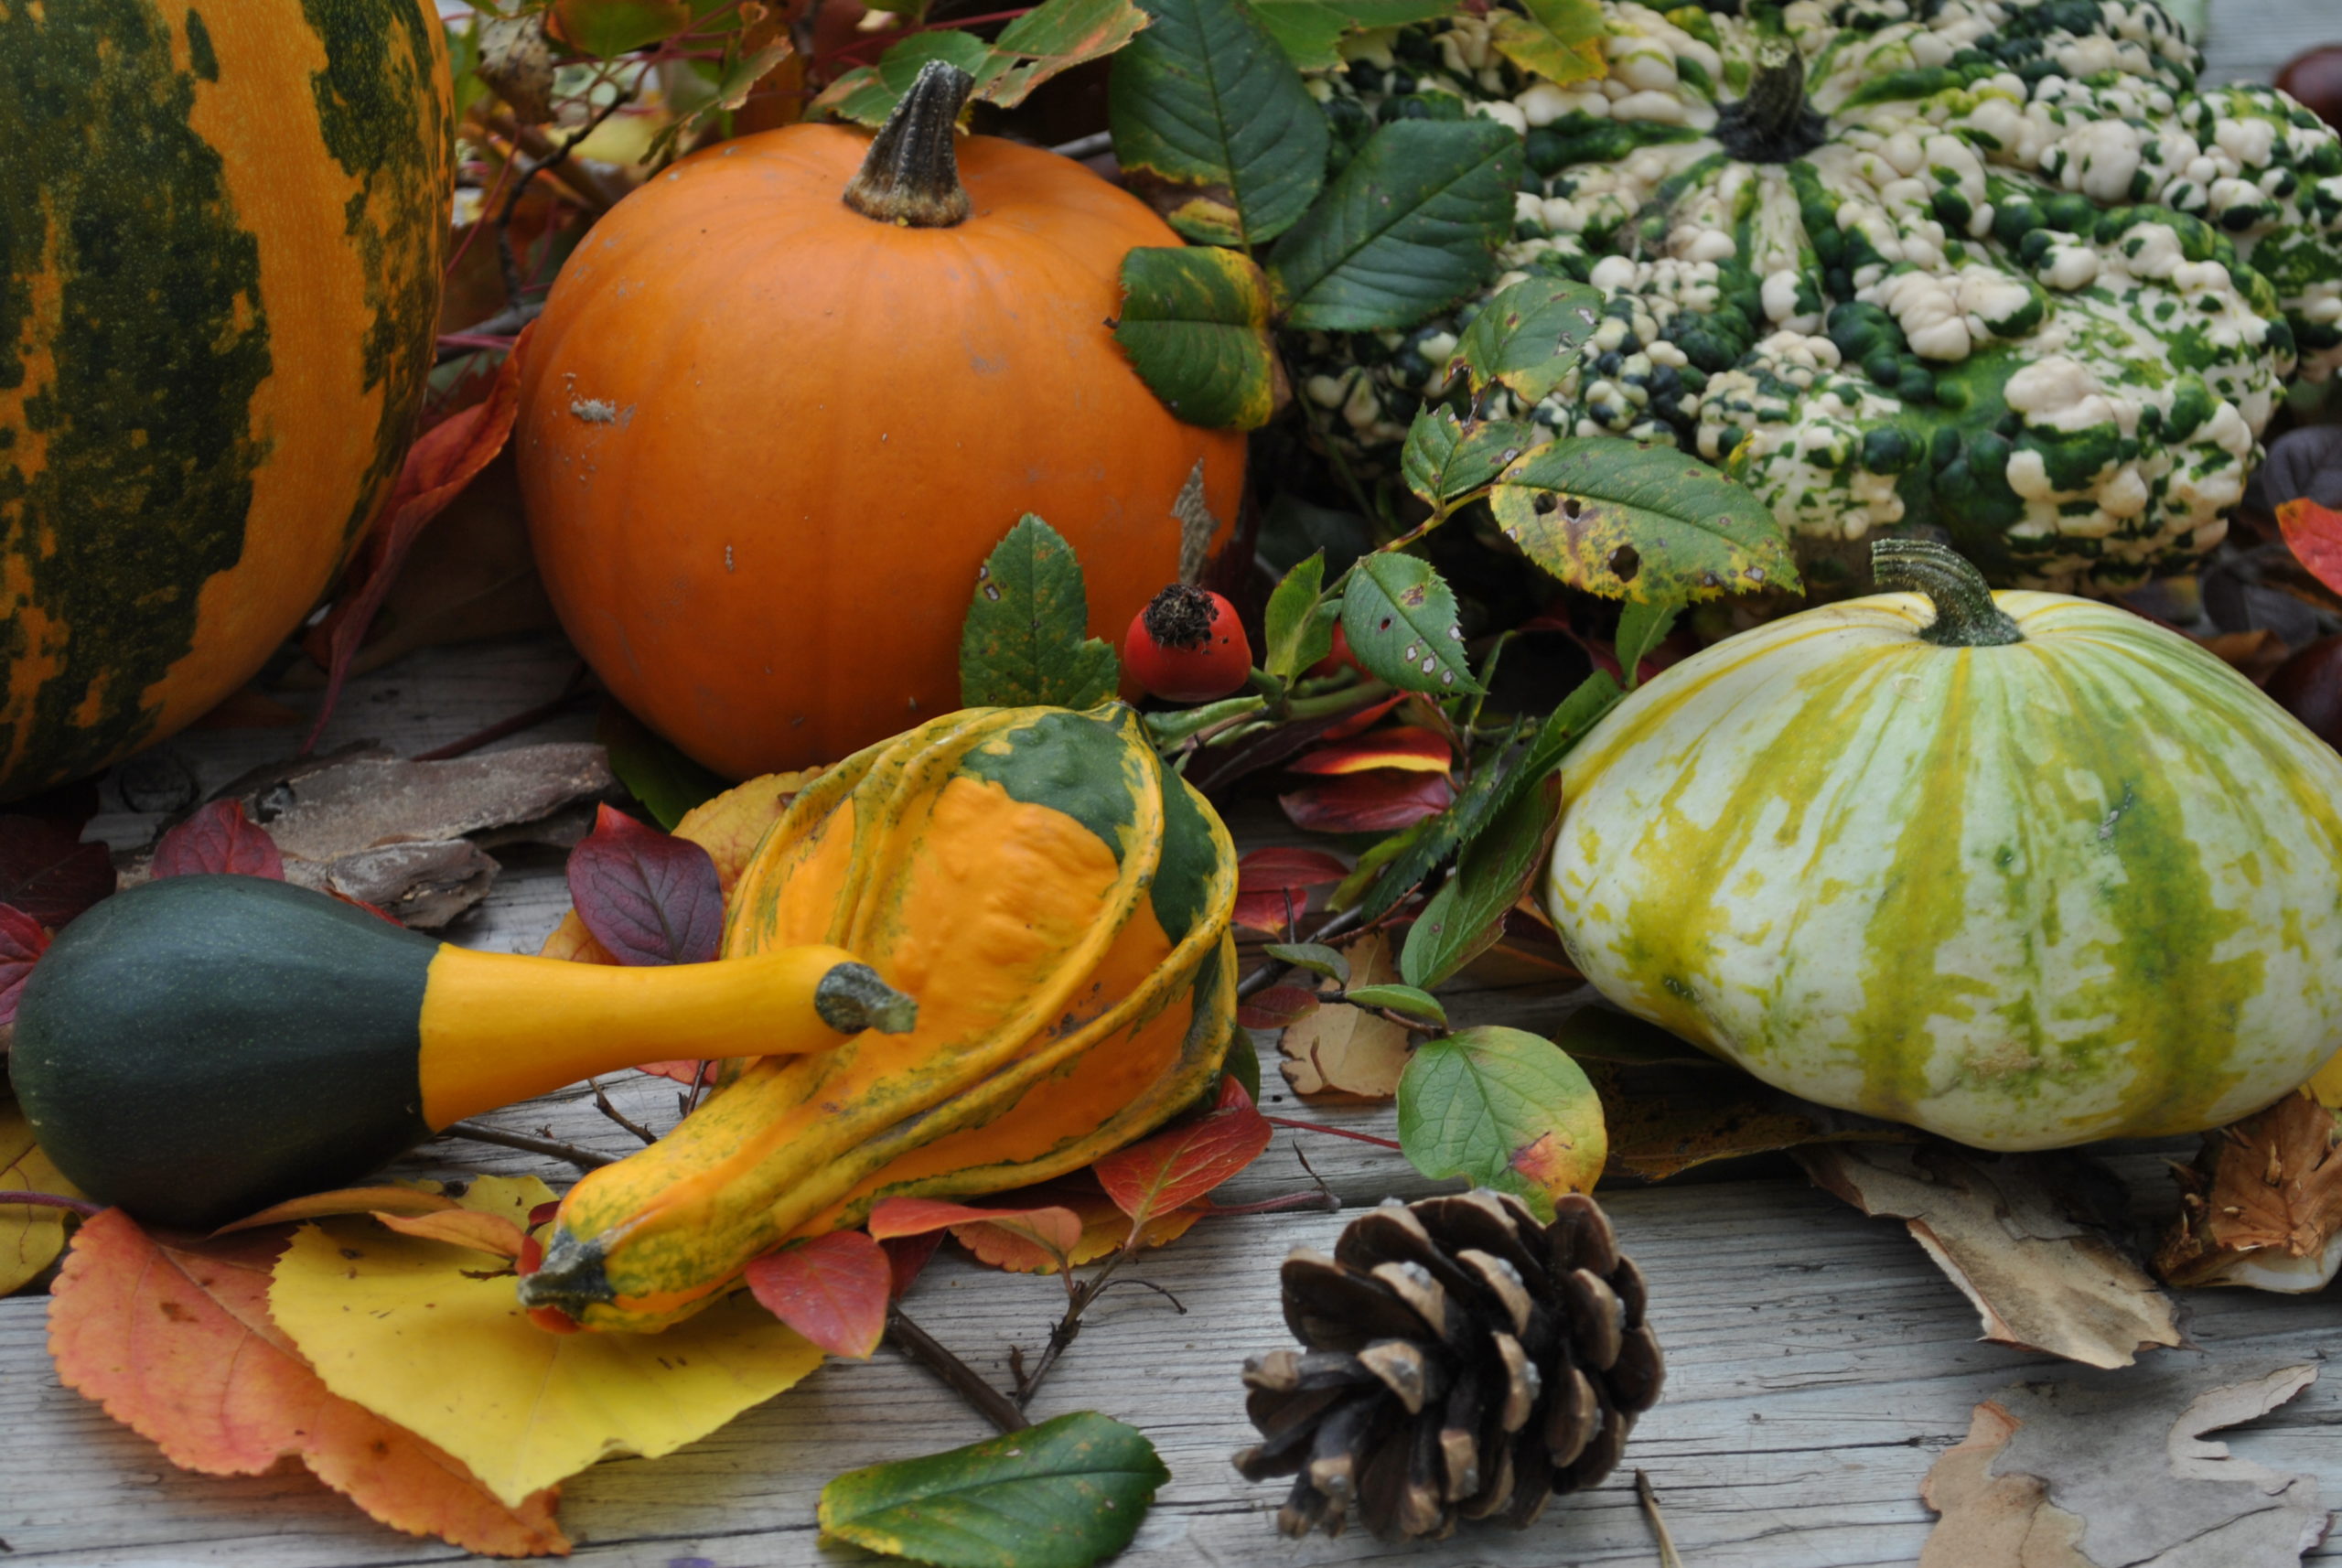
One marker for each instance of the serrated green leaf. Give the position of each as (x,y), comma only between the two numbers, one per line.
(1023,642)
(1445,457)
(1528,338)
(1504,1109)
(1212,123)
(1195,323)
(1440,836)
(1561,40)
(1643,625)
(1364,876)
(1311,31)
(1400,618)
(1055,37)
(1562,729)
(1643,522)
(667,782)
(1410,227)
(867,95)
(1059,1495)
(1298,625)
(1465,918)
(1407,1000)
(1314,957)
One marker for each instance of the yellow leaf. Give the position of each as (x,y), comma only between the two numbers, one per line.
(392,1323)
(2327,1084)
(31,1238)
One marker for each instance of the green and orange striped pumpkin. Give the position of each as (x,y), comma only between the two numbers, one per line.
(222,225)
(2020,869)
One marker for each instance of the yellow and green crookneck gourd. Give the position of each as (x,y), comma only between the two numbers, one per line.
(2019,869)
(200,1046)
(1059,904)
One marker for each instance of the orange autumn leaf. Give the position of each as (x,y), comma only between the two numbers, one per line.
(1051,1233)
(388,1196)
(2313,532)
(174,1339)
(490,1233)
(1409,748)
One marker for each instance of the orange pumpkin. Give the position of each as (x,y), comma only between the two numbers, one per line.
(770,436)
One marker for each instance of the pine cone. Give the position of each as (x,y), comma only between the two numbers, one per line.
(1463,1361)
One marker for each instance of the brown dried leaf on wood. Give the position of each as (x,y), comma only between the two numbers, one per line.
(1347,1053)
(2115,1473)
(2263,1204)
(2030,1239)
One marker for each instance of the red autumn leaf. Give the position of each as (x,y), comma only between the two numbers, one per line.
(1178,1166)
(1409,747)
(442,461)
(2314,534)
(22,942)
(682,1072)
(1273,884)
(833,1290)
(48,872)
(1277,1007)
(174,1340)
(219,838)
(649,897)
(905,1257)
(1055,1231)
(1362,720)
(1367,802)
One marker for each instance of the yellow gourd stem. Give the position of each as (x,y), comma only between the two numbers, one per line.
(498,1028)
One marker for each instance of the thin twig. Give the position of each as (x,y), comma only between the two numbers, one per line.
(1177,1304)
(923,1348)
(1269,973)
(602,1103)
(528,718)
(82,1207)
(480,1133)
(1668,1557)
(1336,1131)
(1323,1201)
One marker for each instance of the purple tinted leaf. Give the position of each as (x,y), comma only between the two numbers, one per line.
(648,896)
(22,942)
(219,838)
(48,872)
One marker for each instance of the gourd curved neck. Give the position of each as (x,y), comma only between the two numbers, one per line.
(1772,122)
(911,174)
(1966,615)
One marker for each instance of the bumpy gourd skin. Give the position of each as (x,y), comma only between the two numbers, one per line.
(2030,286)
(1059,905)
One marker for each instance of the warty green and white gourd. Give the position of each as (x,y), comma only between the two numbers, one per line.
(2022,869)
(1999,267)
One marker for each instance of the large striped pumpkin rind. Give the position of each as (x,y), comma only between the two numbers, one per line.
(222,233)
(2084,886)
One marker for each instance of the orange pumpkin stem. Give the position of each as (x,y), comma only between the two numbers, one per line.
(911,176)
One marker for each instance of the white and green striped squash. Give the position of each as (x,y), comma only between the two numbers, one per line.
(2082,882)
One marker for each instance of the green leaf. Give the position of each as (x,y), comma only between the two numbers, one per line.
(607,27)
(1055,37)
(1410,227)
(1644,522)
(1194,322)
(1022,644)
(1311,31)
(667,782)
(1314,957)
(1643,625)
(1365,874)
(1440,836)
(1400,618)
(1529,337)
(1059,1495)
(1505,1109)
(1561,40)
(1562,729)
(868,95)
(1407,1000)
(1211,121)
(1465,918)
(1298,625)
(1445,457)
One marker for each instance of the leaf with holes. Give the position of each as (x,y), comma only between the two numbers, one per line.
(1400,618)
(1643,522)
(1060,1495)
(1195,325)
(1504,1109)
(219,838)
(1410,227)
(1467,917)
(1176,1167)
(1529,337)
(648,897)
(48,872)
(1311,31)
(1023,644)
(1560,40)
(831,1289)
(1212,124)
(1443,458)
(1298,625)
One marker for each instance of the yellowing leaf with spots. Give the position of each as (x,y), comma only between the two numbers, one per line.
(1645,523)
(399,1325)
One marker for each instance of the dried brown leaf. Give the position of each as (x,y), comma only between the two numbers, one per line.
(2263,1204)
(2027,1238)
(1344,1051)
